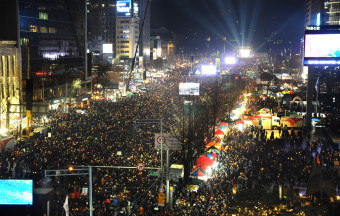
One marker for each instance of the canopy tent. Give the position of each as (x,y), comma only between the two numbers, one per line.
(219,132)
(213,150)
(198,172)
(264,111)
(240,122)
(224,124)
(222,128)
(211,144)
(204,161)
(216,139)
(212,155)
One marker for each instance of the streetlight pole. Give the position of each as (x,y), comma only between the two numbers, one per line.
(89,172)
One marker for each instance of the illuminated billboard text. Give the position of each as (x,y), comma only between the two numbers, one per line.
(124,8)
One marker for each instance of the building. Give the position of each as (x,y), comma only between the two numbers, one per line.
(322,12)
(127,37)
(127,30)
(10,83)
(141,10)
(313,12)
(102,20)
(52,39)
(332,8)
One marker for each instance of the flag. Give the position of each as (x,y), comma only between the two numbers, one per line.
(317,85)
(66,206)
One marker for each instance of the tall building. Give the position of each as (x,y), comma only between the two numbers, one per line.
(10,82)
(51,35)
(313,12)
(102,20)
(332,8)
(142,10)
(127,30)
(322,12)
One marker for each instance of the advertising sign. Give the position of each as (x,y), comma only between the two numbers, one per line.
(322,46)
(161,199)
(169,142)
(189,89)
(124,8)
(16,192)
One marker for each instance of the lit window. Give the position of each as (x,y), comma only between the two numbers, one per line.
(51,30)
(43,16)
(43,29)
(33,28)
(103,5)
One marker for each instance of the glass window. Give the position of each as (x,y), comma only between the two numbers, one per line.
(33,28)
(43,16)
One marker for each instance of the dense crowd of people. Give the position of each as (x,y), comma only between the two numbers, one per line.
(246,181)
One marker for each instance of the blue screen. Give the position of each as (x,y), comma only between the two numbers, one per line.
(16,192)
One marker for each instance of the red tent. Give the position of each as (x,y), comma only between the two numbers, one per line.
(224,124)
(219,132)
(211,144)
(198,172)
(204,161)
(240,122)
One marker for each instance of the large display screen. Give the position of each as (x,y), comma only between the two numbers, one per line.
(322,48)
(189,89)
(124,8)
(322,45)
(16,192)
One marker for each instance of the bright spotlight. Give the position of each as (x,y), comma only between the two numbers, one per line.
(230,60)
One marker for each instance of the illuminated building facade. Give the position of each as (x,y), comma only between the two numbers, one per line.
(333,12)
(10,82)
(127,37)
(322,12)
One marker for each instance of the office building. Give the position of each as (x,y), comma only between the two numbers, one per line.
(127,30)
(102,20)
(143,10)
(10,82)
(51,35)
(332,8)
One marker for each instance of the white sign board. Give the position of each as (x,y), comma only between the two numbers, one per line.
(189,89)
(169,142)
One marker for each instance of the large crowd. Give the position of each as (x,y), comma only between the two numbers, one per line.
(105,134)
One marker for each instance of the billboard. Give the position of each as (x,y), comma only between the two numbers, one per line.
(16,192)
(189,89)
(322,47)
(124,8)
(208,69)
(107,48)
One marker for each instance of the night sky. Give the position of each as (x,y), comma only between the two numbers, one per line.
(218,18)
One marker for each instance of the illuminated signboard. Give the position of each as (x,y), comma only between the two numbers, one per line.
(124,8)
(107,48)
(322,47)
(189,89)
(208,69)
(16,192)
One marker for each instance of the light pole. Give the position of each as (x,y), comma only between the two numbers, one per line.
(156,121)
